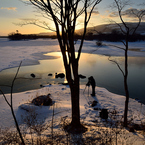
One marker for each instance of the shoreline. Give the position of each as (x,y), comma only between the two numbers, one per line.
(33,51)
(43,56)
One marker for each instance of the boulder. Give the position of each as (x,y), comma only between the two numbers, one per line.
(49,74)
(82,76)
(60,75)
(32,75)
(43,100)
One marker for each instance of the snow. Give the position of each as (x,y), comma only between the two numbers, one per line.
(62,108)
(29,52)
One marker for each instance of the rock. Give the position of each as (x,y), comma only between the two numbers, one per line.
(32,75)
(81,76)
(49,74)
(43,100)
(41,86)
(60,75)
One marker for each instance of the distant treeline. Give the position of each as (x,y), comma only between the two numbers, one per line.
(113,37)
(3,36)
(18,36)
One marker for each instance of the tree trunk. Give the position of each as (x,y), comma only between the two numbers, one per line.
(72,69)
(17,127)
(126,85)
(75,104)
(126,101)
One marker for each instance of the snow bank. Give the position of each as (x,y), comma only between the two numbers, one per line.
(29,52)
(12,52)
(60,94)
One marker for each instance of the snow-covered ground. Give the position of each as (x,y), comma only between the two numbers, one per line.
(12,52)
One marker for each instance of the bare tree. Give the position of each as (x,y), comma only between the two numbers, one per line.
(10,104)
(64,14)
(127,31)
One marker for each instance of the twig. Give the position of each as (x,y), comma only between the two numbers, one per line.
(10,104)
(52,124)
(115,46)
(5,98)
(116,64)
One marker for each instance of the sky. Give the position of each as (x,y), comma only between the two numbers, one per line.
(12,12)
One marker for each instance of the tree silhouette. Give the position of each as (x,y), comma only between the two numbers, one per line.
(128,31)
(64,14)
(10,104)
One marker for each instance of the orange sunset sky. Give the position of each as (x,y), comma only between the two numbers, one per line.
(15,11)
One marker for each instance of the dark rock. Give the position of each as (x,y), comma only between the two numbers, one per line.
(41,86)
(60,75)
(104,114)
(43,100)
(49,74)
(32,75)
(81,76)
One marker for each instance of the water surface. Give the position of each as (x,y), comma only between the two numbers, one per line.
(106,74)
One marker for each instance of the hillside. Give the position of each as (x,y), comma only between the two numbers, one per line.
(104,28)
(107,28)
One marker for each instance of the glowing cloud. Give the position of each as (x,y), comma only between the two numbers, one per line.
(9,8)
(95,13)
(129,13)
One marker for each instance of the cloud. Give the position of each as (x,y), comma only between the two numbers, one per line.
(28,19)
(113,14)
(95,13)
(129,13)
(9,8)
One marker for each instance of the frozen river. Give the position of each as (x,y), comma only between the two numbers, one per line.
(106,74)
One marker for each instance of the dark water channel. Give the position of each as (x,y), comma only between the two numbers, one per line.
(106,74)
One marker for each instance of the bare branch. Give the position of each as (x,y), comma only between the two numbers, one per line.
(64,14)
(86,20)
(120,6)
(14,82)
(43,25)
(116,64)
(11,105)
(139,15)
(5,98)
(115,46)
(120,27)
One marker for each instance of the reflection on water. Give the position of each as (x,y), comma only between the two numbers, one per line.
(105,73)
